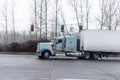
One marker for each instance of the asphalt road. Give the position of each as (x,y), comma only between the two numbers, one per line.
(28,67)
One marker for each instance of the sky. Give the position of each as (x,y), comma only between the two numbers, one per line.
(94,11)
(23,13)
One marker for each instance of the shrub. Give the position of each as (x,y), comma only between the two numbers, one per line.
(29,46)
(14,46)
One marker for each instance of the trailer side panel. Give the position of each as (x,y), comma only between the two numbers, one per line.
(103,41)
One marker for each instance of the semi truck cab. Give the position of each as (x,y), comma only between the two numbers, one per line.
(65,44)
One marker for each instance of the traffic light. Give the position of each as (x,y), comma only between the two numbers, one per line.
(62,28)
(80,28)
(32,27)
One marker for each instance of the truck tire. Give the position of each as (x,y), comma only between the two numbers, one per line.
(95,56)
(46,54)
(87,55)
(39,57)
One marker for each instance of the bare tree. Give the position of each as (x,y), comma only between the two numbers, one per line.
(113,15)
(88,6)
(35,15)
(52,24)
(35,12)
(13,19)
(101,19)
(4,13)
(82,11)
(24,35)
(74,4)
(56,17)
(41,11)
(109,14)
(64,22)
(57,8)
(46,9)
(43,15)
(117,20)
(102,14)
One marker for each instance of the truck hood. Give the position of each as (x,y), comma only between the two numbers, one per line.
(46,43)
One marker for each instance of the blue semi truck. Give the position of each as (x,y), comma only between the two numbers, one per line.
(88,44)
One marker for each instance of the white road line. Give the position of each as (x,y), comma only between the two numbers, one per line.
(73,79)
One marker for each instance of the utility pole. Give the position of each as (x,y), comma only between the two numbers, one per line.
(46,17)
(56,18)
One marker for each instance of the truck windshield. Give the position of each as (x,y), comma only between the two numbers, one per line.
(53,41)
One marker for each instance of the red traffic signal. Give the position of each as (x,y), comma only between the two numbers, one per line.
(32,27)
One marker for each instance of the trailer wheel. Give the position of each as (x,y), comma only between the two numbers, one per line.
(95,56)
(87,55)
(46,54)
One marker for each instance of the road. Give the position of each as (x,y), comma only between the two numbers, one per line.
(28,67)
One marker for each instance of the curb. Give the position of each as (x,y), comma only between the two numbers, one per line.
(19,53)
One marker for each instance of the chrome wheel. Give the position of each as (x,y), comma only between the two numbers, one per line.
(87,55)
(46,55)
(95,56)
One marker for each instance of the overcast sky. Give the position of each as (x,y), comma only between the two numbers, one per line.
(23,15)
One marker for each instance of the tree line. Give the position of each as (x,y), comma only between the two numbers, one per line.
(48,15)
(108,17)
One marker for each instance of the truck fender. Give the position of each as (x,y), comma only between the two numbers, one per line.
(43,50)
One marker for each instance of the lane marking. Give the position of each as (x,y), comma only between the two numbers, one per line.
(73,79)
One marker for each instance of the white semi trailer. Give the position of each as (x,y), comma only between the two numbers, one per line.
(89,44)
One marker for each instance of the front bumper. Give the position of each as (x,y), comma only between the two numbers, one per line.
(38,53)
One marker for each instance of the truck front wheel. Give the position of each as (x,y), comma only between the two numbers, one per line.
(46,54)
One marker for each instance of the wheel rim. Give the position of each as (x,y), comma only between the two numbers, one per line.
(95,55)
(46,55)
(87,55)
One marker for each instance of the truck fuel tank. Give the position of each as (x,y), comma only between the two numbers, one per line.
(74,54)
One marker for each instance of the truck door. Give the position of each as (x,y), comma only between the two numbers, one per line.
(59,44)
(71,43)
